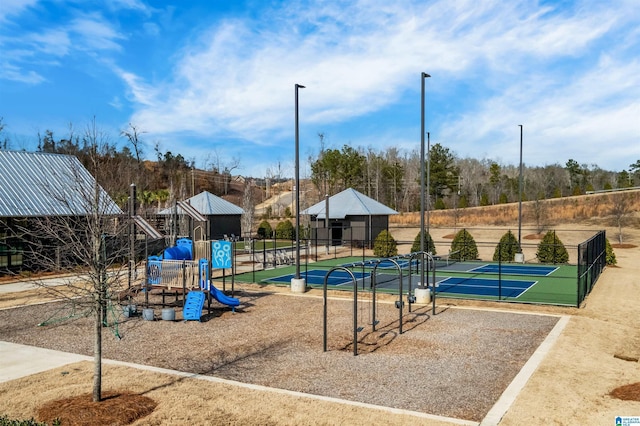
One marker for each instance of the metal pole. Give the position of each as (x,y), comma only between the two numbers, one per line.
(520,197)
(422,236)
(297,86)
(326,219)
(422,188)
(132,233)
(428,179)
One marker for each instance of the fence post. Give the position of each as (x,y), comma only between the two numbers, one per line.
(184,282)
(499,271)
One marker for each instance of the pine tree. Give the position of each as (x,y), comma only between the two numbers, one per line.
(551,249)
(507,248)
(463,246)
(385,245)
(610,255)
(429,246)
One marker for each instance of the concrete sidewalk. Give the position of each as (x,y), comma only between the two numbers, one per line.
(20,360)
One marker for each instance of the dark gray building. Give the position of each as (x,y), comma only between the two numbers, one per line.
(38,185)
(222,217)
(353,219)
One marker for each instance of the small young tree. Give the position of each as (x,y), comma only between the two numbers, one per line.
(385,245)
(285,230)
(264,230)
(507,248)
(610,255)
(85,232)
(429,246)
(539,212)
(463,246)
(551,249)
(620,210)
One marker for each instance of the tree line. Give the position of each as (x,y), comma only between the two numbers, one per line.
(393,178)
(390,176)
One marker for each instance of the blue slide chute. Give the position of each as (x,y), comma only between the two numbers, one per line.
(223,298)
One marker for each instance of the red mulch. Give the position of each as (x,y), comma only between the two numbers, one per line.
(116,408)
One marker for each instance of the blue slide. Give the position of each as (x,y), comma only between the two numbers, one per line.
(223,298)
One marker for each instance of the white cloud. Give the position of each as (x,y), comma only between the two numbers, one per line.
(354,59)
(92,33)
(12,8)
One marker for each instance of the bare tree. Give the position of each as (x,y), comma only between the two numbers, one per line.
(81,235)
(4,140)
(248,207)
(133,135)
(620,210)
(539,211)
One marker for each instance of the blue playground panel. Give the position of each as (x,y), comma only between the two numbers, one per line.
(484,287)
(539,271)
(316,276)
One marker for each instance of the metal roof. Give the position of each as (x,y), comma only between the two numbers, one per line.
(191,212)
(147,228)
(42,184)
(208,204)
(349,203)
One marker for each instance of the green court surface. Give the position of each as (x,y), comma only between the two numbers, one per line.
(530,283)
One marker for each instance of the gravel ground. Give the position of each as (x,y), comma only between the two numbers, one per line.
(455,364)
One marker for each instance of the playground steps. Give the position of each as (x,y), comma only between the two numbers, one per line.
(193,306)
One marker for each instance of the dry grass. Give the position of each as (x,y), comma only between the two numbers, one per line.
(558,210)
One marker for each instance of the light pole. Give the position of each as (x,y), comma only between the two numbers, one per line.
(423,76)
(520,197)
(297,277)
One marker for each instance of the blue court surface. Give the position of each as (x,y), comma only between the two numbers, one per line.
(382,264)
(484,287)
(316,276)
(539,271)
(504,288)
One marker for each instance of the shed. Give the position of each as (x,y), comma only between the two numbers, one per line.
(223,218)
(353,219)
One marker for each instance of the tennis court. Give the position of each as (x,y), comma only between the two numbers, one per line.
(554,284)
(515,269)
(316,277)
(511,289)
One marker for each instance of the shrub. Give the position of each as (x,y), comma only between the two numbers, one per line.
(6,421)
(385,245)
(264,230)
(463,246)
(610,255)
(285,230)
(428,244)
(507,248)
(551,249)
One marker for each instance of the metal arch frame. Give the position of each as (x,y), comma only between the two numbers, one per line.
(373,287)
(355,308)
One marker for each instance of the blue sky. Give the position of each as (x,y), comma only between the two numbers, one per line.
(213,80)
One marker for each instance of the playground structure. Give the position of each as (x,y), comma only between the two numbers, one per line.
(176,273)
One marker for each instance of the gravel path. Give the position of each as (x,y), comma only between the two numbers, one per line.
(455,364)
